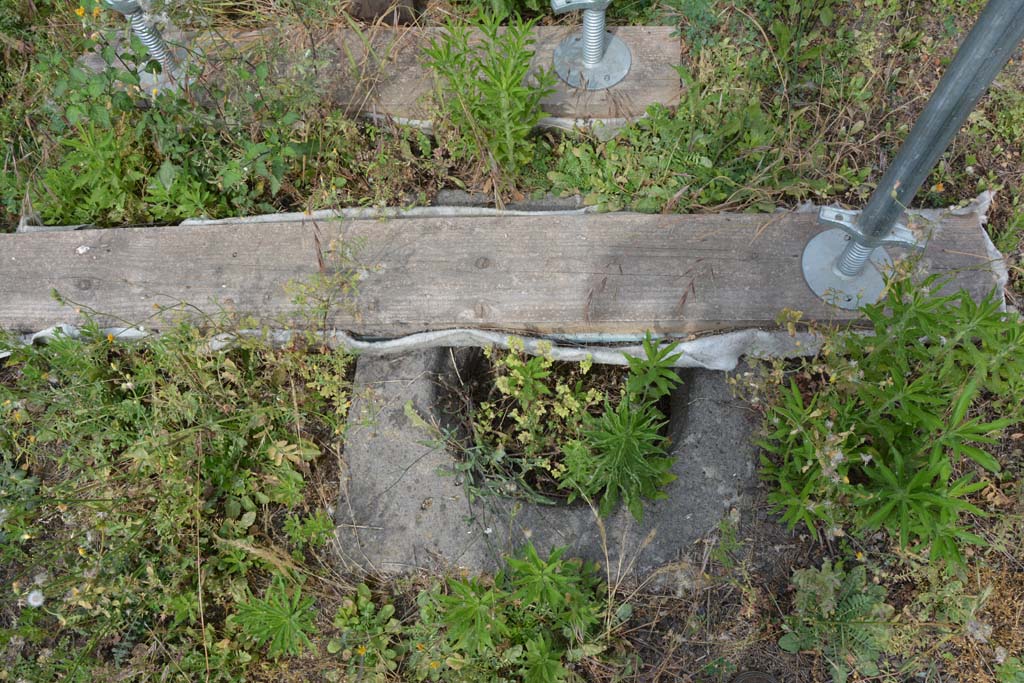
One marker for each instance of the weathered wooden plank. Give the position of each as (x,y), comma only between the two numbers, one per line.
(596,273)
(381,70)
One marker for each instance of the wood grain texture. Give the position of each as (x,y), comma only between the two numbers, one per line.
(381,70)
(601,273)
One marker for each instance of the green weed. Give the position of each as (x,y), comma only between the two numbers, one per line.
(488,105)
(621,455)
(841,615)
(546,432)
(799,28)
(533,411)
(1010,671)
(99,180)
(722,147)
(941,609)
(700,19)
(269,143)
(1010,240)
(719,669)
(368,636)
(621,458)
(534,619)
(885,435)
(509,8)
(281,619)
(314,531)
(729,547)
(140,482)
(334,286)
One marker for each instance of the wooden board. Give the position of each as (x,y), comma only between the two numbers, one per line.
(381,71)
(599,273)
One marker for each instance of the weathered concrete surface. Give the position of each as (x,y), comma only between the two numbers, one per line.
(399,512)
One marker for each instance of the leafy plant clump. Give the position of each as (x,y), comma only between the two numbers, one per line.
(722,147)
(102,147)
(1010,671)
(282,618)
(527,625)
(544,431)
(887,436)
(489,103)
(369,642)
(142,483)
(840,615)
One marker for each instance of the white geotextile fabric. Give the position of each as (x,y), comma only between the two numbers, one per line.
(713,352)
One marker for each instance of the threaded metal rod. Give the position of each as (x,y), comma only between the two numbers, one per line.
(152,41)
(851,261)
(593,37)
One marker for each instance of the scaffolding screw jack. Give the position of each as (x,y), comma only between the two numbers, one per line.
(592,59)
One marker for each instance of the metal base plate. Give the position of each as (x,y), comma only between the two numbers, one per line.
(568,63)
(849,293)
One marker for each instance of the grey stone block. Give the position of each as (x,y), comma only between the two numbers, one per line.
(399,511)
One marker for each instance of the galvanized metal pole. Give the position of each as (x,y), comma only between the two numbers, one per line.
(987,48)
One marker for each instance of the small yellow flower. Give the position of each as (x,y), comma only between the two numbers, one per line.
(81,551)
(435,664)
(938,187)
(80,11)
(110,338)
(860,555)
(361,650)
(96,12)
(155,92)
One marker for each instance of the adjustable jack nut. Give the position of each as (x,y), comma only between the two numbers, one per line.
(845,266)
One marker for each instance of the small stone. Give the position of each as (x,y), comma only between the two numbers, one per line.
(979,631)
